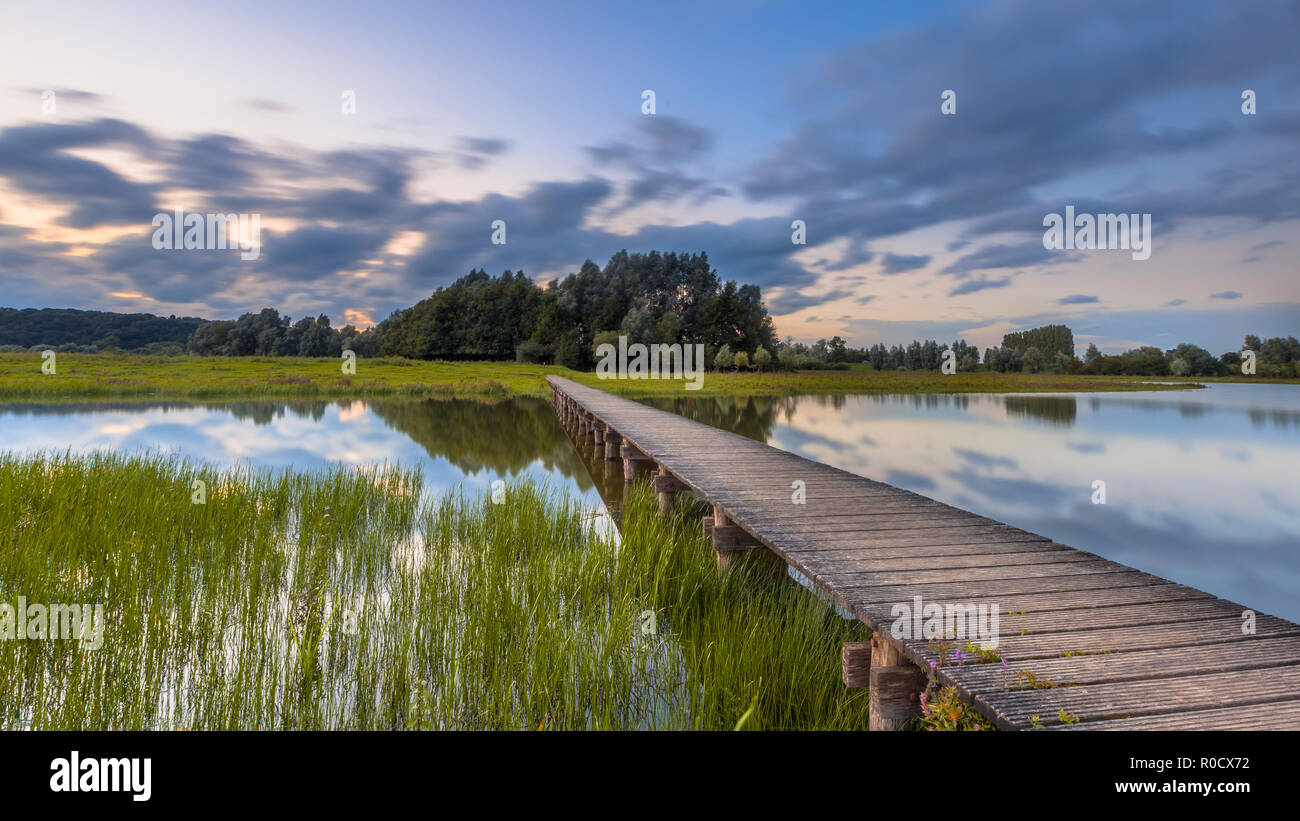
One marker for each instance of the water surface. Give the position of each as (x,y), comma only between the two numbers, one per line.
(455,443)
(1200,485)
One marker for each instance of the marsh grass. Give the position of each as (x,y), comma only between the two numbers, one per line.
(349,599)
(130,376)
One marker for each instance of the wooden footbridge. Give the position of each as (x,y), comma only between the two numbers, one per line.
(1088,644)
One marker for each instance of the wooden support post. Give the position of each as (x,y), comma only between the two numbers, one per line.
(855,659)
(896,685)
(600,433)
(735,547)
(667,486)
(707,524)
(633,461)
(613,444)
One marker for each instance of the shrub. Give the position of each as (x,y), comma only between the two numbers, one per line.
(724,359)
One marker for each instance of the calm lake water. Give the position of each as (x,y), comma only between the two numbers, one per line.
(1201,486)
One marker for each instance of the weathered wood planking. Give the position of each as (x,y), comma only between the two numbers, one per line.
(1100,643)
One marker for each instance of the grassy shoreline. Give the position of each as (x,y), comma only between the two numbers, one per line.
(129,377)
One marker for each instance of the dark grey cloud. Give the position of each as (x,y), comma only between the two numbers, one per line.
(970,286)
(664,185)
(673,139)
(1077,299)
(856,254)
(1227,295)
(755,251)
(902,263)
(1174,303)
(1007,256)
(792,300)
(474,152)
(544,232)
(220,164)
(1273,243)
(611,154)
(488,146)
(660,159)
(34,159)
(317,252)
(659,140)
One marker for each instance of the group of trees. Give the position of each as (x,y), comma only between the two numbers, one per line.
(922,356)
(1047,349)
(267,333)
(1275,357)
(832,354)
(649,298)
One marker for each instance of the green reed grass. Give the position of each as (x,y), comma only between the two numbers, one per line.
(89,377)
(348,599)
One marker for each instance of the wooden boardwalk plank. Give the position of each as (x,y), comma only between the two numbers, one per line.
(1191,633)
(1278,715)
(978,679)
(1066,602)
(1128,699)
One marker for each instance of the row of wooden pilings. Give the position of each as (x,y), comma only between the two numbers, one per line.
(895,682)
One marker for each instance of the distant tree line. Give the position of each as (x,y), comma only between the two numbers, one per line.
(650,298)
(1048,349)
(1276,357)
(267,333)
(90,331)
(835,354)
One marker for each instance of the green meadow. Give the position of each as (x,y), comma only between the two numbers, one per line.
(128,376)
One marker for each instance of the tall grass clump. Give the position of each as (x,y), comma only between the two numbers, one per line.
(347,599)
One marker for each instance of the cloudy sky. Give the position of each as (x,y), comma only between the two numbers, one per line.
(918,224)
